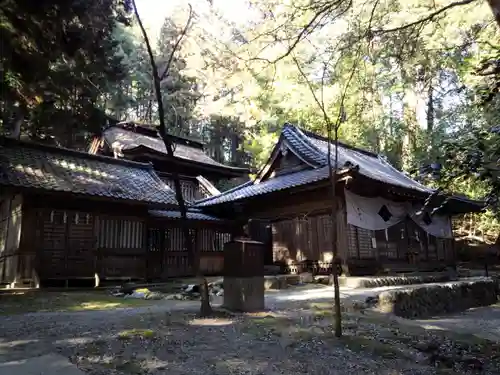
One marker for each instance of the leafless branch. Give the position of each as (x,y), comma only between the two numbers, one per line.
(177,43)
(322,12)
(423,20)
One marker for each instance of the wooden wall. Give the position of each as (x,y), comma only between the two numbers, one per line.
(170,256)
(74,244)
(404,245)
(301,225)
(77,244)
(308,237)
(191,189)
(10,238)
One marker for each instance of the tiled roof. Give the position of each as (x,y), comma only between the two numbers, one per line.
(191,215)
(31,165)
(250,189)
(120,140)
(314,150)
(370,164)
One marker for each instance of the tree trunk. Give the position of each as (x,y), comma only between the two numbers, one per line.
(334,216)
(430,112)
(495,8)
(193,253)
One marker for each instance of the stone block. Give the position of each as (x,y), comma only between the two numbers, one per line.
(306,277)
(244,294)
(428,301)
(292,279)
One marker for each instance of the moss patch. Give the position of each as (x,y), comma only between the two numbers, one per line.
(25,302)
(137,333)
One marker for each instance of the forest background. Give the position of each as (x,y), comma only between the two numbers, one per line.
(421,79)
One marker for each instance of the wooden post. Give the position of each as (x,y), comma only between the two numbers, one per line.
(97,257)
(66,246)
(162,245)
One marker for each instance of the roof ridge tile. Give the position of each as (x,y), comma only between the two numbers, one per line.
(11,142)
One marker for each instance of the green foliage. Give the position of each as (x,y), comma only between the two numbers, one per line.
(418,94)
(57,59)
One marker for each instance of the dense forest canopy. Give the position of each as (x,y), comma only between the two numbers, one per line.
(421,79)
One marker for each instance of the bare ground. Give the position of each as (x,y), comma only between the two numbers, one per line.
(295,340)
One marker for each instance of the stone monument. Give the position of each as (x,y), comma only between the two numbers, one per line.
(244,274)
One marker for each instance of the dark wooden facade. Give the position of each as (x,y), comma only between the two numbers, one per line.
(44,238)
(68,215)
(293,193)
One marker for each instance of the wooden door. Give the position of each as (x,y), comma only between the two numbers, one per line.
(260,230)
(417,241)
(52,254)
(155,253)
(397,241)
(67,245)
(176,257)
(81,248)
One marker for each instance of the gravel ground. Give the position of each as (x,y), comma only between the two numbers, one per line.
(482,321)
(297,340)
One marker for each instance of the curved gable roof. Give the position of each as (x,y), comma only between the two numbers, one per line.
(313,150)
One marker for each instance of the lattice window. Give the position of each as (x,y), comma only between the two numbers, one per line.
(432,247)
(352,236)
(365,243)
(220,240)
(174,239)
(119,233)
(360,242)
(210,240)
(190,189)
(154,240)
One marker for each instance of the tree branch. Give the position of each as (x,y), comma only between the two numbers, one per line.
(313,23)
(423,20)
(177,43)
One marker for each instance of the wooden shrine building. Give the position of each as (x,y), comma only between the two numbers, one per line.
(72,215)
(139,142)
(378,211)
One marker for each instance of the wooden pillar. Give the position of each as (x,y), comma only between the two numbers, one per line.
(145,245)
(342,234)
(197,248)
(66,217)
(97,252)
(162,244)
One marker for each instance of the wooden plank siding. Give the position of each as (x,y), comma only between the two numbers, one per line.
(76,244)
(306,238)
(302,239)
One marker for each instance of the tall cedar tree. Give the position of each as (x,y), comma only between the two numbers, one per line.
(57,58)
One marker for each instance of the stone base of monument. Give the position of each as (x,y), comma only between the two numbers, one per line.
(244,294)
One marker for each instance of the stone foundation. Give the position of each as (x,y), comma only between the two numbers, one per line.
(425,302)
(374,282)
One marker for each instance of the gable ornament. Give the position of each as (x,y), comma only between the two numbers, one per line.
(284,148)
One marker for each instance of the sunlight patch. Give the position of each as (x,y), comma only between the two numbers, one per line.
(210,322)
